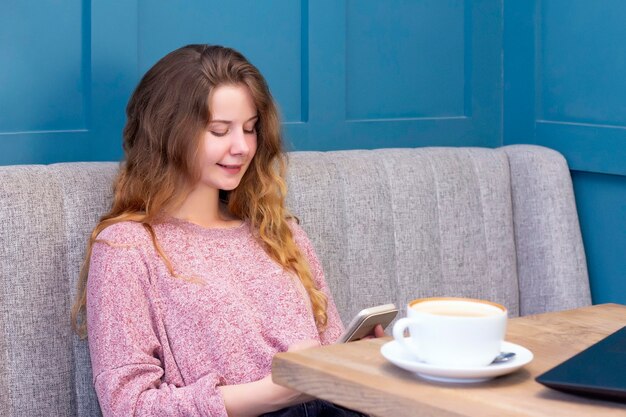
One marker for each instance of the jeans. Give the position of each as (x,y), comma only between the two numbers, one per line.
(315,408)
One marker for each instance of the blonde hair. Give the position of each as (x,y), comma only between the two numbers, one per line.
(166,115)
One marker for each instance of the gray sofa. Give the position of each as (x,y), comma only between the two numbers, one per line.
(389,225)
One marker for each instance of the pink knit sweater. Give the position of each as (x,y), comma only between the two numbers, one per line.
(161,345)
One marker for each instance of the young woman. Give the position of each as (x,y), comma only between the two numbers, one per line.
(198,275)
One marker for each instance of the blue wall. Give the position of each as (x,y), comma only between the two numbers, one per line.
(348,74)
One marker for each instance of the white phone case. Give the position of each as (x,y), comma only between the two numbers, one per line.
(364,322)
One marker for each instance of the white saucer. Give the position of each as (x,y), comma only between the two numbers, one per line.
(397,355)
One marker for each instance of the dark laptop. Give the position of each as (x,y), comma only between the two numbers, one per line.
(598,371)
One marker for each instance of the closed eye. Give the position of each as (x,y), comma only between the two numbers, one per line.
(254,124)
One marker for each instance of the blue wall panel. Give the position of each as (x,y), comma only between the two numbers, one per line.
(401,64)
(43,74)
(45,89)
(275,46)
(601,203)
(581,88)
(403,73)
(582,62)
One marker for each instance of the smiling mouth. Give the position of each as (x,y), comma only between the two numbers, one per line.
(231,169)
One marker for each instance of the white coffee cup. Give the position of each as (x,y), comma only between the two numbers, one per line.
(456,332)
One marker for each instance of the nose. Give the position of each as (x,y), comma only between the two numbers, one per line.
(239,145)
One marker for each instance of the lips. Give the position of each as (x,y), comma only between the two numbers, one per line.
(231,169)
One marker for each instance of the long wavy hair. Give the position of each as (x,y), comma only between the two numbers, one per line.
(166,116)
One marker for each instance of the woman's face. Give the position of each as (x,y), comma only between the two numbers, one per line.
(229,142)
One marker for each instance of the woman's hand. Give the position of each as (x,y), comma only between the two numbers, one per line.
(290,396)
(263,396)
(281,397)
(378,332)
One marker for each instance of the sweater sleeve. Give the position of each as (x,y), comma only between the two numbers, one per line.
(334,327)
(125,344)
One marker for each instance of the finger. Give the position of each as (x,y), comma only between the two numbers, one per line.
(379,331)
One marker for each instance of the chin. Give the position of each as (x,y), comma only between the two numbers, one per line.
(229,187)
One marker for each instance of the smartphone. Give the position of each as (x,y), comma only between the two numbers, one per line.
(363,323)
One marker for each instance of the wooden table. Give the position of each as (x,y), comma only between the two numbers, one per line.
(356,375)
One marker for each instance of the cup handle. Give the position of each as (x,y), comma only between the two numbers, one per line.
(398,334)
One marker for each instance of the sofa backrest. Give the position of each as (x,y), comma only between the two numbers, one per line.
(398,224)
(389,225)
(47,213)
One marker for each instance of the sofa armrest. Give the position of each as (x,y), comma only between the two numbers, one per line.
(551,264)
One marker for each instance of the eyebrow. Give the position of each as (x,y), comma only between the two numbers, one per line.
(230,121)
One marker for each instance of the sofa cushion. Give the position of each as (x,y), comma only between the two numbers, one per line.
(36,363)
(391,225)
